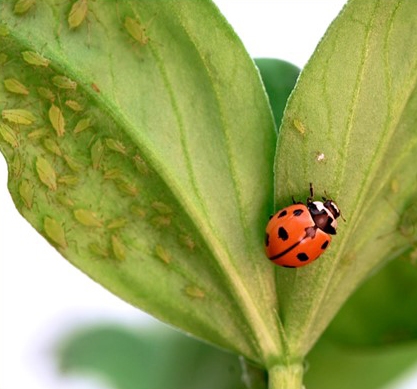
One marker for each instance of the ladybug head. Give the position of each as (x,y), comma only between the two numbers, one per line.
(324,215)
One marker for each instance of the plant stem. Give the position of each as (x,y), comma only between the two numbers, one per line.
(286,376)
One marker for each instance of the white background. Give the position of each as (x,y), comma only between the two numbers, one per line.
(42,296)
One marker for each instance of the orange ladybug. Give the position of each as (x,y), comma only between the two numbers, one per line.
(298,234)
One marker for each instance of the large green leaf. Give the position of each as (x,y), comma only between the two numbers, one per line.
(382,311)
(350,128)
(153,357)
(142,150)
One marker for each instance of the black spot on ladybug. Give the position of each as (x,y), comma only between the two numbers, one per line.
(298,212)
(266,240)
(302,257)
(324,245)
(282,213)
(290,267)
(282,233)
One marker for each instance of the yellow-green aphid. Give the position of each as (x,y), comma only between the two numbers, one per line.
(298,124)
(98,250)
(46,93)
(113,174)
(194,291)
(161,221)
(116,145)
(87,218)
(18,116)
(140,164)
(17,165)
(72,163)
(64,82)
(82,125)
(119,249)
(57,120)
(14,86)
(74,105)
(23,6)
(136,30)
(52,146)
(138,211)
(69,180)
(161,207)
(187,241)
(35,59)
(77,13)
(127,188)
(162,254)
(97,154)
(26,193)
(37,134)
(8,135)
(46,173)
(117,223)
(64,200)
(55,232)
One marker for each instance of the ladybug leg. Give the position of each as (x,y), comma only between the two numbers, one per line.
(310,198)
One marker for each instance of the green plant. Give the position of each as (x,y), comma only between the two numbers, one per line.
(141,144)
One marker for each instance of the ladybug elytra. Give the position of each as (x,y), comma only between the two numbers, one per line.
(299,233)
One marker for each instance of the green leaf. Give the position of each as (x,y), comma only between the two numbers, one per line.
(155,357)
(382,311)
(336,366)
(180,148)
(279,78)
(350,129)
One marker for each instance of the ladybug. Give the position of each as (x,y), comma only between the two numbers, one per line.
(299,234)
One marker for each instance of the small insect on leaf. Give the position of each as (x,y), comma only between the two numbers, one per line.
(35,59)
(136,30)
(46,173)
(98,250)
(194,291)
(55,232)
(72,163)
(140,164)
(119,249)
(162,254)
(26,193)
(14,86)
(18,116)
(116,145)
(57,120)
(117,223)
(97,154)
(46,93)
(23,6)
(64,82)
(69,180)
(161,207)
(64,200)
(113,174)
(9,135)
(87,218)
(17,165)
(37,134)
(52,146)
(74,105)
(127,188)
(82,125)
(77,13)
(298,124)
